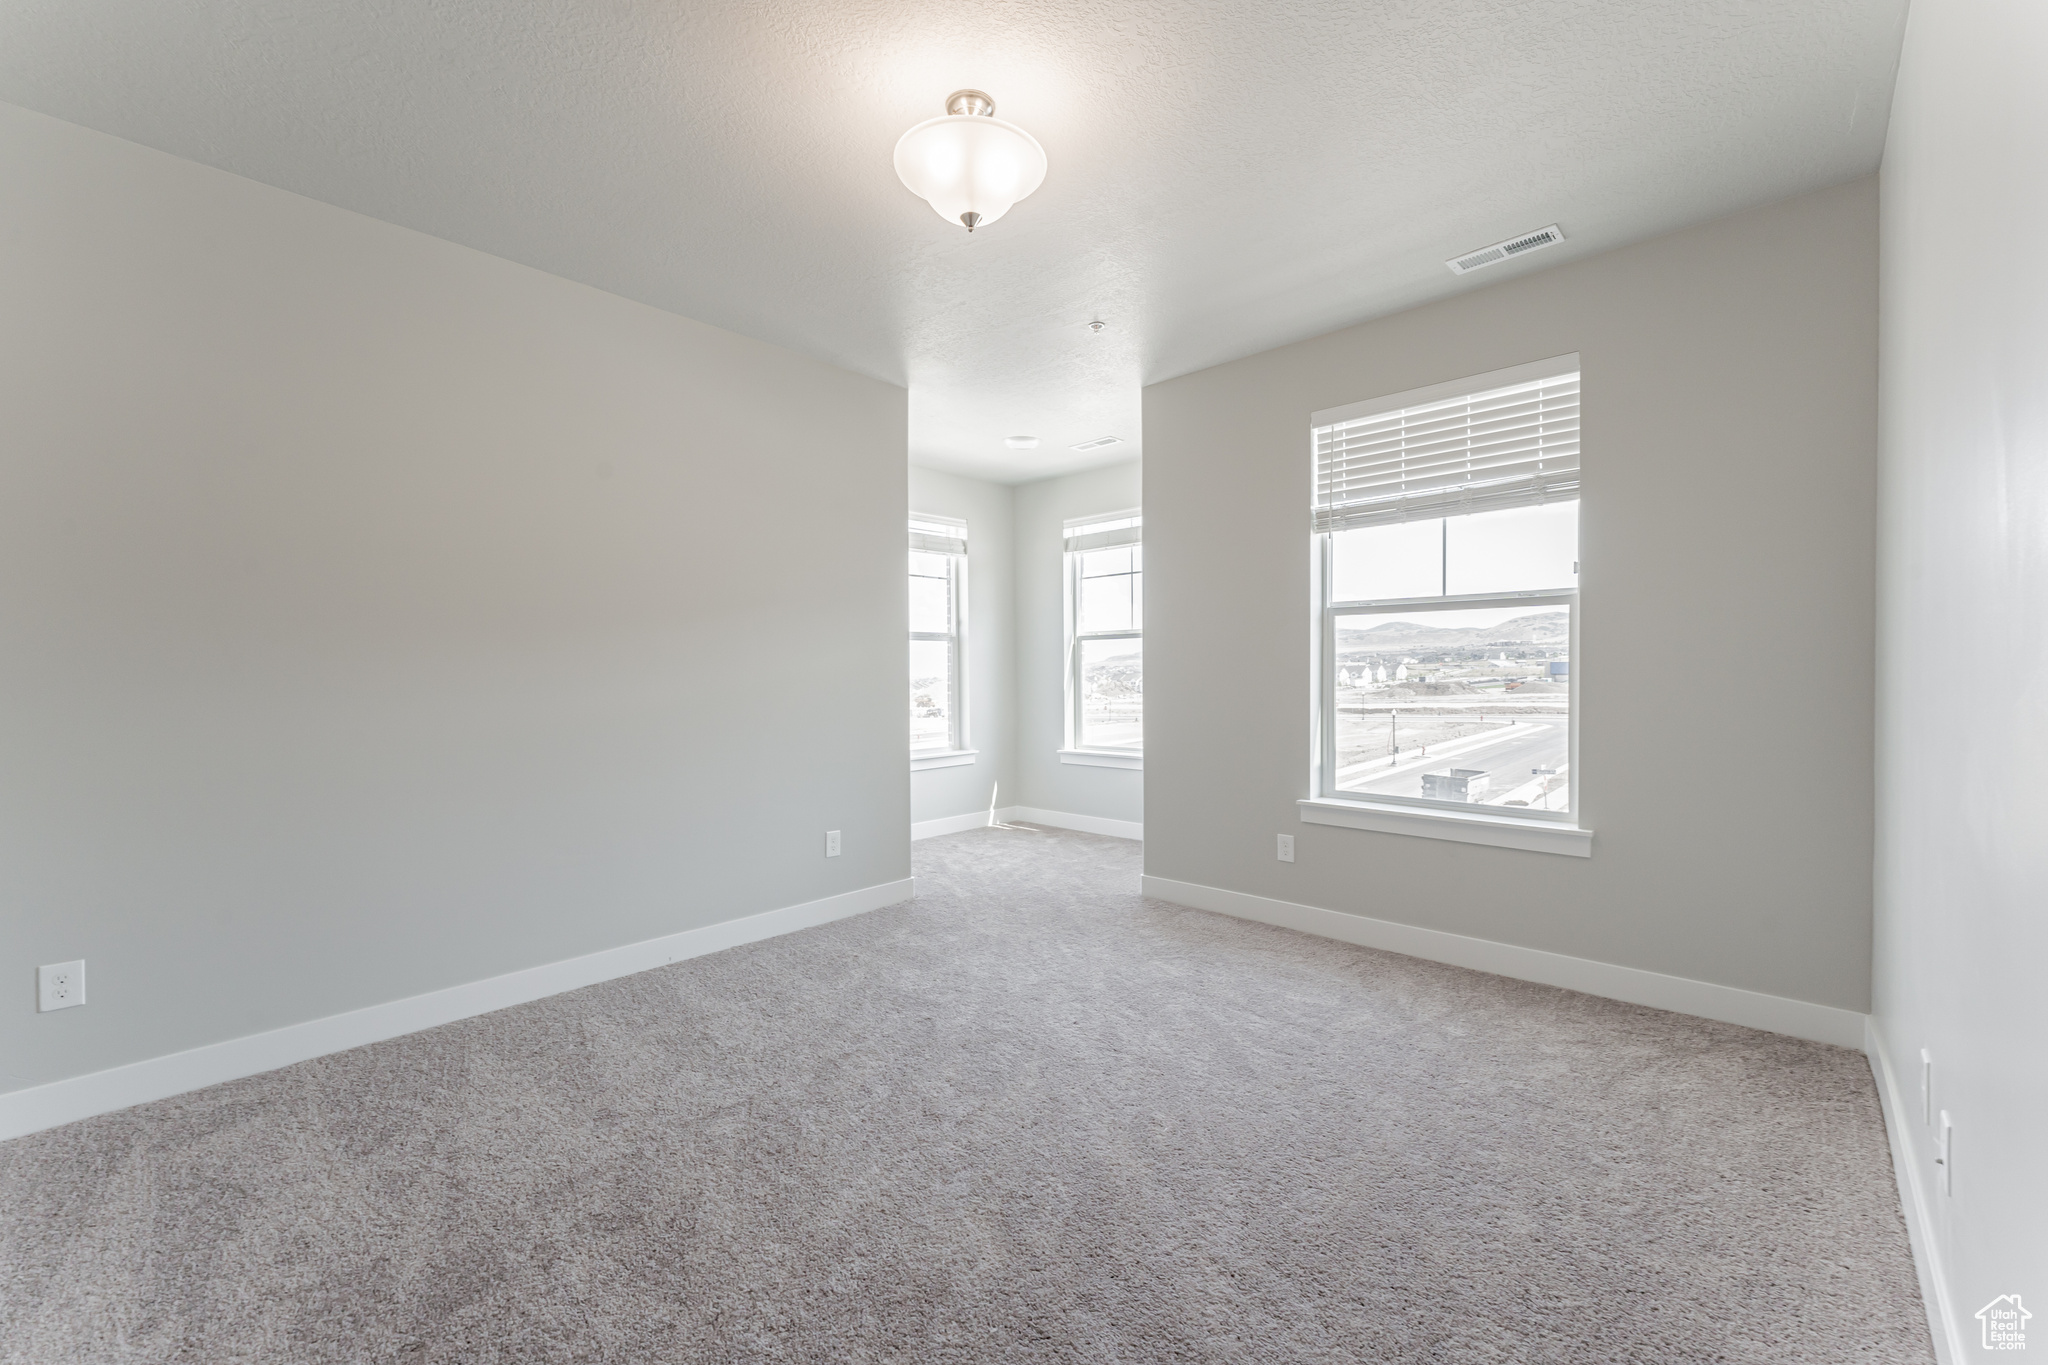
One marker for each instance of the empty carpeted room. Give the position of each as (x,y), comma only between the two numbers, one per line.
(911,682)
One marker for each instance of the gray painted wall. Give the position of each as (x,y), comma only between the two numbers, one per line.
(987,509)
(377,615)
(1045,783)
(1726,638)
(1962,816)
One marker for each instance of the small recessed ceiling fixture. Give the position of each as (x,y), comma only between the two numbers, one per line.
(1097,326)
(1099,443)
(1505,251)
(969,165)
(1021,442)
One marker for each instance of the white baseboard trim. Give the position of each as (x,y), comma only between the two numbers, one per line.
(1729,1004)
(954,824)
(1914,1199)
(1029,815)
(1086,824)
(47,1105)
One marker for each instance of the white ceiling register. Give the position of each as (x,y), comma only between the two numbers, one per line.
(1506,439)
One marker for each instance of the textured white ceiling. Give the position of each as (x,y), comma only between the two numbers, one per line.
(1224,176)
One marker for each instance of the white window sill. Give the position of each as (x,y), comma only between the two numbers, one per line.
(1501,831)
(949,758)
(1102,758)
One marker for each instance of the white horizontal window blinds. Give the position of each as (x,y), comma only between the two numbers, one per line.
(938,535)
(1101,533)
(1511,446)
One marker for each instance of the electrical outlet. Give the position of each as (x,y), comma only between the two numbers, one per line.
(59,986)
(1926,1086)
(1947,1154)
(831,843)
(1286,849)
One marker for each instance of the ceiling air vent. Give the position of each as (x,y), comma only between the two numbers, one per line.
(1501,251)
(1099,443)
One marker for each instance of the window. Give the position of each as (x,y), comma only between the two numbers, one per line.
(1105,641)
(1446,531)
(938,591)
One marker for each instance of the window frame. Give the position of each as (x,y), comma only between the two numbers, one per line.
(1513,827)
(1074,750)
(956,749)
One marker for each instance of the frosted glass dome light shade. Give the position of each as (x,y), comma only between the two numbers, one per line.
(970,166)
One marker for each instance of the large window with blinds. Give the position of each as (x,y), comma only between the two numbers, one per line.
(1446,535)
(938,594)
(1105,557)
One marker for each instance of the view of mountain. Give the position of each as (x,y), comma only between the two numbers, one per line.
(1548,629)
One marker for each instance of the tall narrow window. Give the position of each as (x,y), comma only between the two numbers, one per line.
(938,590)
(1446,528)
(1105,640)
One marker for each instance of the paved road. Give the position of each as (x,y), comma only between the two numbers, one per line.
(1508,755)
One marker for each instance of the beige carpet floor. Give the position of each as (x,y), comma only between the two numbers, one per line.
(1028,1117)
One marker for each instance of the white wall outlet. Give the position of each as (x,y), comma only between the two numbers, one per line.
(831,843)
(59,986)
(1926,1086)
(1286,848)
(1945,1155)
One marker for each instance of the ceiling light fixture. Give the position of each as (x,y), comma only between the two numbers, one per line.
(1021,442)
(969,165)
(1099,443)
